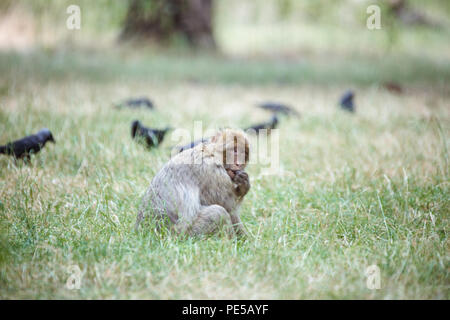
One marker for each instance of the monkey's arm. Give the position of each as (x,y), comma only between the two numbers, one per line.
(242,181)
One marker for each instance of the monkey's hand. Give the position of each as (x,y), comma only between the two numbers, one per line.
(243,183)
(238,226)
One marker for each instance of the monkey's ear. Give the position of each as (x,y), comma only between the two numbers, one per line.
(216,137)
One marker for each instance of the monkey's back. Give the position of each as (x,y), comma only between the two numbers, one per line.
(186,183)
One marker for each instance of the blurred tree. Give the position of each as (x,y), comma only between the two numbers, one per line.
(407,15)
(163,19)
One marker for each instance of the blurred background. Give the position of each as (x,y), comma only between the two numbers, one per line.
(280,41)
(354,189)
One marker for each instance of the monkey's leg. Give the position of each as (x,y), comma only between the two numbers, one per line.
(139,219)
(238,226)
(160,218)
(211,219)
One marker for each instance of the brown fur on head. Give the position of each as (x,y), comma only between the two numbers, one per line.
(231,148)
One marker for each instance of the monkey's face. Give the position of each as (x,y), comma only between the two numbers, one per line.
(234,148)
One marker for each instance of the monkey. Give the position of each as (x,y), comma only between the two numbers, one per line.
(199,191)
(190,145)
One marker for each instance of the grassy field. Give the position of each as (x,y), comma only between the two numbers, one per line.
(357,190)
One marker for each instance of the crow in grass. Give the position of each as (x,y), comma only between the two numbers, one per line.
(31,144)
(151,137)
(276,107)
(191,145)
(272,124)
(136,103)
(346,101)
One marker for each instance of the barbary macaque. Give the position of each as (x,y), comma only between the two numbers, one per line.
(199,191)
(190,145)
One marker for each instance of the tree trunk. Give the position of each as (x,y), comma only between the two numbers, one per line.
(163,19)
(408,15)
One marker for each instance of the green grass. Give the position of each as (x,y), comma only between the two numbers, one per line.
(354,190)
(365,189)
(93,65)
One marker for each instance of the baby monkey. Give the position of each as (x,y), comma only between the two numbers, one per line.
(199,190)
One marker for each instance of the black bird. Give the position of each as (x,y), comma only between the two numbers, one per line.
(346,101)
(276,107)
(272,124)
(31,144)
(191,145)
(151,137)
(136,103)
